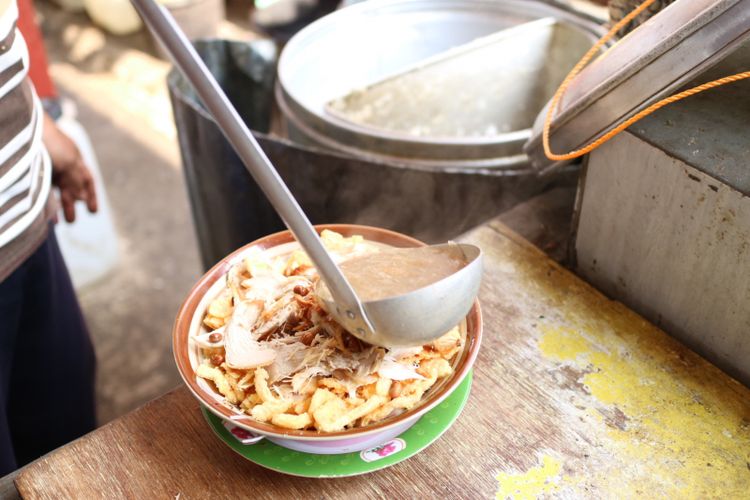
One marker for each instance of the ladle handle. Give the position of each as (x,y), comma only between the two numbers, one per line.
(163,26)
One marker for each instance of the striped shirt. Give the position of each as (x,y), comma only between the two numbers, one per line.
(25,168)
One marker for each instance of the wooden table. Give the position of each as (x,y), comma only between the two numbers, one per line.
(574,395)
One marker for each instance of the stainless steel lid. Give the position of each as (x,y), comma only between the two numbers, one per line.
(650,63)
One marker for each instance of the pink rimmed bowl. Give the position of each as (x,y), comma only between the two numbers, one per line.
(187,355)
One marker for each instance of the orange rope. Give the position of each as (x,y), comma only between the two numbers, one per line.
(643,113)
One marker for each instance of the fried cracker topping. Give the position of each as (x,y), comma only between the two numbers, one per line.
(287,362)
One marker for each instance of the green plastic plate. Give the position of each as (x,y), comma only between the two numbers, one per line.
(422,434)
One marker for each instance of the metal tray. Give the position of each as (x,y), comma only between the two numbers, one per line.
(661,56)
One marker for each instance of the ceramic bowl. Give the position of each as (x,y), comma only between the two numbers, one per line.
(187,355)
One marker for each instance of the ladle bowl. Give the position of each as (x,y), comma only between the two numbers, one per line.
(422,315)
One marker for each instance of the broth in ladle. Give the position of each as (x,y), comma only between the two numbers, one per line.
(396,271)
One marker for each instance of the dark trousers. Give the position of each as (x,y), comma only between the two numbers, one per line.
(47,361)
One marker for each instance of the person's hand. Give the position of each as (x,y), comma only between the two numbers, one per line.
(69,173)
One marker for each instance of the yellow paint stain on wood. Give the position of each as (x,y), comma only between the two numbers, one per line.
(684,428)
(537,481)
(631,412)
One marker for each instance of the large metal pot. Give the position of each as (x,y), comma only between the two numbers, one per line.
(368,42)
(229,209)
(428,188)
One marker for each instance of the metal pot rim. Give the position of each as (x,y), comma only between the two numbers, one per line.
(463,150)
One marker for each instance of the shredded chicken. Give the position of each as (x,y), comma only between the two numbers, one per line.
(274,323)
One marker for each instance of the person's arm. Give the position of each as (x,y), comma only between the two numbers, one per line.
(69,173)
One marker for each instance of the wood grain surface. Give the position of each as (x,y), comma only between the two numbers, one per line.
(574,395)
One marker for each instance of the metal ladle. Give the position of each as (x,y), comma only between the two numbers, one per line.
(411,319)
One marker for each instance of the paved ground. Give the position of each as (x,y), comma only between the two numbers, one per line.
(118,85)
